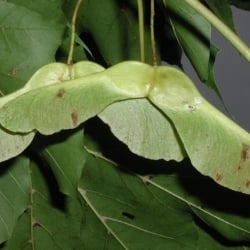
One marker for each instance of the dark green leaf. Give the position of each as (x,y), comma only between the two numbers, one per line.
(224,212)
(14,198)
(211,78)
(29,39)
(222,10)
(131,207)
(193,33)
(52,220)
(65,155)
(129,211)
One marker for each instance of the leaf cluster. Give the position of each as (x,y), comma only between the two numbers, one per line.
(100,154)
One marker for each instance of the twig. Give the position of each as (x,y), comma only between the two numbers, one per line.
(240,46)
(73,30)
(152,16)
(141,28)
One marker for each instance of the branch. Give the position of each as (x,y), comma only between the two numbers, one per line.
(239,45)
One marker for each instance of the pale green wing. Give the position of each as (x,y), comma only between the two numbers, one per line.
(216,146)
(144,129)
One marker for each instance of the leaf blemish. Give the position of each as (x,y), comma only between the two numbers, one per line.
(60,93)
(248,183)
(128,215)
(244,152)
(218,177)
(244,156)
(14,71)
(74,118)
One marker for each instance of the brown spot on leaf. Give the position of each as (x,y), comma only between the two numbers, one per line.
(248,183)
(14,71)
(74,118)
(60,93)
(244,152)
(218,177)
(243,156)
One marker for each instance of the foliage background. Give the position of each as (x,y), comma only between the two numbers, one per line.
(83,189)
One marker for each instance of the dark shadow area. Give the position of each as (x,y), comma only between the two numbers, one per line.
(170,50)
(96,54)
(57,199)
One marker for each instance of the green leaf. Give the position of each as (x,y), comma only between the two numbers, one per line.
(223,11)
(133,214)
(65,155)
(52,221)
(146,132)
(29,39)
(226,212)
(14,198)
(216,146)
(79,99)
(193,33)
(131,207)
(46,8)
(211,78)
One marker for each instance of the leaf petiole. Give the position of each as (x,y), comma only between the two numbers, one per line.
(141,29)
(73,31)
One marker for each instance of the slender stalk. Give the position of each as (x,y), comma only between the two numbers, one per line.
(239,45)
(141,29)
(73,32)
(152,16)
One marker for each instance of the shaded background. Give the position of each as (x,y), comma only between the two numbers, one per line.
(232,73)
